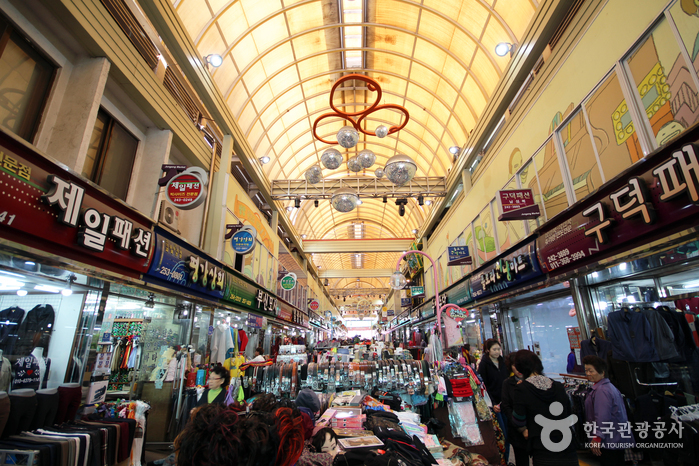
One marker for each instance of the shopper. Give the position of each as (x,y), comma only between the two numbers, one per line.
(514,436)
(468,357)
(493,371)
(218,436)
(258,356)
(605,410)
(542,413)
(216,393)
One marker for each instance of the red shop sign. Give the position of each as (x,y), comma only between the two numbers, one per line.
(45,207)
(314,305)
(188,189)
(517,204)
(653,199)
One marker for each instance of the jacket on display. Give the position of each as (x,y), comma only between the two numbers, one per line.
(604,408)
(631,337)
(39,320)
(493,377)
(684,342)
(10,320)
(601,349)
(221,342)
(662,334)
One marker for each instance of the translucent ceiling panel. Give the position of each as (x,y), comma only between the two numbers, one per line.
(395,13)
(390,39)
(231,22)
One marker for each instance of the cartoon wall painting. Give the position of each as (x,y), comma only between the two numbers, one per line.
(580,156)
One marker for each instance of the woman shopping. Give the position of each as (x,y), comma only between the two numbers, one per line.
(218,379)
(514,436)
(542,413)
(604,408)
(494,371)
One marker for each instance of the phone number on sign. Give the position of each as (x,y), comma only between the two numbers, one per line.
(563,257)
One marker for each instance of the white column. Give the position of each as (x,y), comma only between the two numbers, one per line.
(147,169)
(216,224)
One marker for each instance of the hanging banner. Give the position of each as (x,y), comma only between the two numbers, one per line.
(653,199)
(46,207)
(517,204)
(458,255)
(516,268)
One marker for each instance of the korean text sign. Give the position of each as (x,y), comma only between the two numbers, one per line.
(653,199)
(48,208)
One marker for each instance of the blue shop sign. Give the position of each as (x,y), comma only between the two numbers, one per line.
(180,266)
(515,269)
(405,302)
(242,241)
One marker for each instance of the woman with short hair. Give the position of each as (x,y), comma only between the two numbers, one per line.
(218,381)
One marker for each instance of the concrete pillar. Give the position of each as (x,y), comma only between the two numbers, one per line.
(71,134)
(274,222)
(216,224)
(144,190)
(466,179)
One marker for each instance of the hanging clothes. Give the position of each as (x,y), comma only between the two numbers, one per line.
(10,320)
(39,320)
(221,342)
(631,336)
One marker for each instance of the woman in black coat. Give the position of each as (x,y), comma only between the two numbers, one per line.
(216,393)
(493,371)
(514,436)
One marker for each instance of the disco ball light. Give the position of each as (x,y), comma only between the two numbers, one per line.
(347,137)
(398,281)
(354,165)
(331,159)
(381,131)
(366,158)
(379,172)
(314,174)
(400,169)
(344,200)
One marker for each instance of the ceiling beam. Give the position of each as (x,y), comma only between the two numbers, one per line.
(365,187)
(356,273)
(355,246)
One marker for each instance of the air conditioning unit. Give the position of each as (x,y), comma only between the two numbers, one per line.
(169,216)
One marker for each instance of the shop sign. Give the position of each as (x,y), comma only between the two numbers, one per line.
(254,321)
(574,337)
(284,314)
(458,255)
(460,293)
(243,240)
(177,263)
(517,204)
(288,282)
(443,300)
(417,291)
(510,271)
(187,190)
(314,305)
(390,312)
(428,310)
(45,207)
(405,302)
(266,302)
(458,314)
(652,200)
(241,292)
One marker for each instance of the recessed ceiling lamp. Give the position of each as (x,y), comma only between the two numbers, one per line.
(289,208)
(303,236)
(214,60)
(344,200)
(428,202)
(504,47)
(400,169)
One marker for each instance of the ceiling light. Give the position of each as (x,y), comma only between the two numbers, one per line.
(21,292)
(622,266)
(400,169)
(344,200)
(421,200)
(415,231)
(264,160)
(428,202)
(360,202)
(315,203)
(29,263)
(347,137)
(214,60)
(503,47)
(297,202)
(454,150)
(385,199)
(314,174)
(303,236)
(47,288)
(289,208)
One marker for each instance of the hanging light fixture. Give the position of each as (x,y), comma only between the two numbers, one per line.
(314,174)
(381,131)
(400,169)
(347,137)
(379,173)
(331,159)
(397,280)
(354,165)
(366,158)
(344,200)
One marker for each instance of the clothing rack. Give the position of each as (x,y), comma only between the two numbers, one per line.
(655,384)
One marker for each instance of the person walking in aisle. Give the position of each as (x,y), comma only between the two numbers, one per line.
(515,437)
(543,414)
(604,408)
(218,379)
(494,371)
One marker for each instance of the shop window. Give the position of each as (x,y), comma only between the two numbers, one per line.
(580,155)
(110,156)
(613,129)
(664,83)
(683,283)
(548,170)
(25,80)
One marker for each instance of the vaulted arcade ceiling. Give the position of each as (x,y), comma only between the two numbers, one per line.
(436,58)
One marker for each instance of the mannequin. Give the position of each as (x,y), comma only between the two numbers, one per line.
(325,441)
(69,396)
(47,401)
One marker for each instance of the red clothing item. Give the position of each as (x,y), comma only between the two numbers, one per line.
(243,340)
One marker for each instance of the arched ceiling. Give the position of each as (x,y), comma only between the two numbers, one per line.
(281,58)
